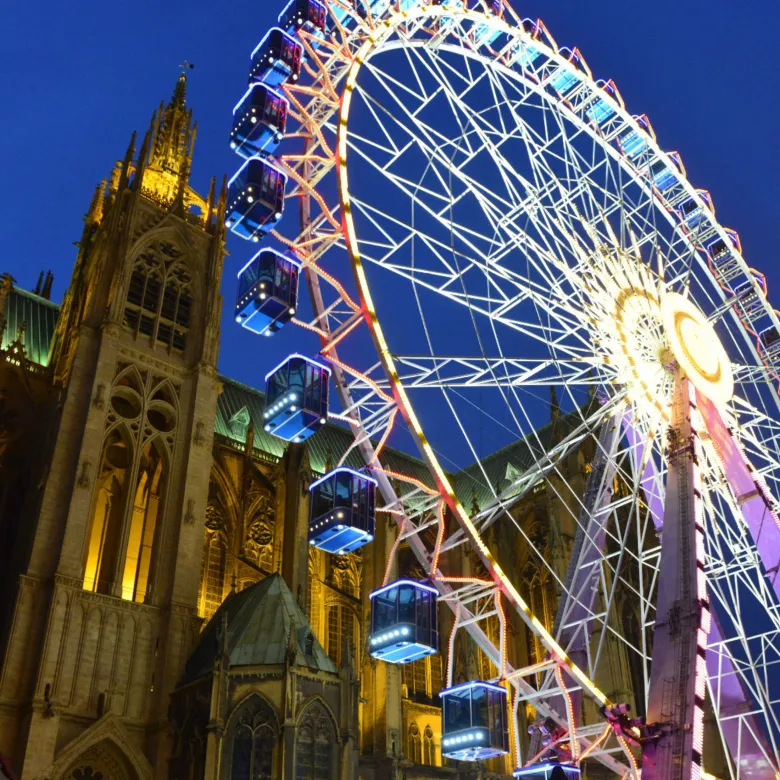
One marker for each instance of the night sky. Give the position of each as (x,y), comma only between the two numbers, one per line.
(79,78)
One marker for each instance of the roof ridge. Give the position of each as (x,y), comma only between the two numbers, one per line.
(35,297)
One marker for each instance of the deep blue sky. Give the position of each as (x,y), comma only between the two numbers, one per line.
(77,78)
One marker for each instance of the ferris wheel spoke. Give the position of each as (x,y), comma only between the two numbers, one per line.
(435,372)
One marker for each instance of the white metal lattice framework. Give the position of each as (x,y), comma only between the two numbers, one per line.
(509,226)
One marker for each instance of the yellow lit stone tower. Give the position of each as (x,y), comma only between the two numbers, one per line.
(103,609)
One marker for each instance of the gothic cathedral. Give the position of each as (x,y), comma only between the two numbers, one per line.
(161,614)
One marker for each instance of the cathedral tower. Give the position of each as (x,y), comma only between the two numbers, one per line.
(104,597)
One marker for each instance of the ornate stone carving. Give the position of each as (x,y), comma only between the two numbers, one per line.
(259,541)
(199,438)
(215,519)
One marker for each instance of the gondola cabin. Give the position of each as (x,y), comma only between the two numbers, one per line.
(723,258)
(664,176)
(488,33)
(267,292)
(600,109)
(308,15)
(259,122)
(548,772)
(475,721)
(691,211)
(296,398)
(276,59)
(769,343)
(563,79)
(404,625)
(255,199)
(748,300)
(341,515)
(634,141)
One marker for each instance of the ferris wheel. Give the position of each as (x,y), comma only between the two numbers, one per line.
(481,220)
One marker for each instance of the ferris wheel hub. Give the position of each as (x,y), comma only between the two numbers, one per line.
(697,348)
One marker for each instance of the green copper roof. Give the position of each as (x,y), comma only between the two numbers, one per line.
(332,439)
(40,318)
(260,622)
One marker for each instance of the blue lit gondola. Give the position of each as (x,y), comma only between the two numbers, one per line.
(296,398)
(747,297)
(691,211)
(259,122)
(548,772)
(267,292)
(309,15)
(255,199)
(404,625)
(488,33)
(662,175)
(526,54)
(600,109)
(475,721)
(633,142)
(276,59)
(723,259)
(341,517)
(562,80)
(769,343)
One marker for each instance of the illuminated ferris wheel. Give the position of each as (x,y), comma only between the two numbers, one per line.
(481,220)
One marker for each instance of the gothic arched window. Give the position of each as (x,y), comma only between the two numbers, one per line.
(213,574)
(314,756)
(253,741)
(159,298)
(341,626)
(429,748)
(414,749)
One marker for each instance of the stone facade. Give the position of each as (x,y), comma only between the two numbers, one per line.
(139,494)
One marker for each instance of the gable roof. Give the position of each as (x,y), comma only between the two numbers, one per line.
(260,621)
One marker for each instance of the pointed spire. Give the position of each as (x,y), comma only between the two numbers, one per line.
(95,211)
(49,281)
(124,176)
(179,99)
(39,284)
(171,146)
(116,173)
(143,155)
(210,201)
